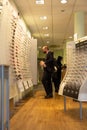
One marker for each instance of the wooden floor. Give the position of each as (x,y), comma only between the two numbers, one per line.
(48,114)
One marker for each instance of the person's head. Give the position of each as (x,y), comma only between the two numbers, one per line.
(60,58)
(45,49)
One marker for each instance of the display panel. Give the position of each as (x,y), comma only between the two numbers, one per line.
(20,85)
(30,83)
(25,85)
(15,46)
(74,82)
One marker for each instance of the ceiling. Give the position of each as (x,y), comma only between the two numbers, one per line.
(60,20)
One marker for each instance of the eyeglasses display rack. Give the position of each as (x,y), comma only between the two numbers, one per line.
(20,45)
(74,84)
(16,48)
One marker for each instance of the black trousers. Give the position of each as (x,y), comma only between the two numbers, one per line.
(56,80)
(56,84)
(47,83)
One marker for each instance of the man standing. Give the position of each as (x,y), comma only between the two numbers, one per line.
(48,66)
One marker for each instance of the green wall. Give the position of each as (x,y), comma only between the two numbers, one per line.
(58,53)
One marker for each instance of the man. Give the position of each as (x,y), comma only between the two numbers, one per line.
(48,66)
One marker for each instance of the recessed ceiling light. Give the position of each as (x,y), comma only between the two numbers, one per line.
(63,1)
(43,17)
(45,28)
(39,1)
(47,35)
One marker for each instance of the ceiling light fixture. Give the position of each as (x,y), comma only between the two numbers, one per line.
(43,17)
(39,1)
(63,1)
(46,35)
(45,28)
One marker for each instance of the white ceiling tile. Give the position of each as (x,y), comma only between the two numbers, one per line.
(60,18)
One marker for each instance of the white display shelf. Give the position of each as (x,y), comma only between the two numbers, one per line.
(74,84)
(15,46)
(19,51)
(75,80)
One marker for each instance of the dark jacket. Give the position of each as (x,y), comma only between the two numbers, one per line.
(57,74)
(49,61)
(59,64)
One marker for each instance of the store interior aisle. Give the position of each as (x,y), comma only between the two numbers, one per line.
(48,114)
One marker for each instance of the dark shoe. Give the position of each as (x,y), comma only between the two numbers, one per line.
(48,96)
(75,100)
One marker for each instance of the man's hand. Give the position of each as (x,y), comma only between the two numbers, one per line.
(42,63)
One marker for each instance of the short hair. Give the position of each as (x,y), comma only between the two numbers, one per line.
(45,47)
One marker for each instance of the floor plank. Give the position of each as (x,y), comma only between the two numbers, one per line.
(48,114)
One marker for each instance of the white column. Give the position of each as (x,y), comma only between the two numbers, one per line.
(79,24)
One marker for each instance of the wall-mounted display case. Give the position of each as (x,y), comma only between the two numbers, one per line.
(74,83)
(16,41)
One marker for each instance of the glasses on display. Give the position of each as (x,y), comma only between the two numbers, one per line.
(19,51)
(76,69)
(71,89)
